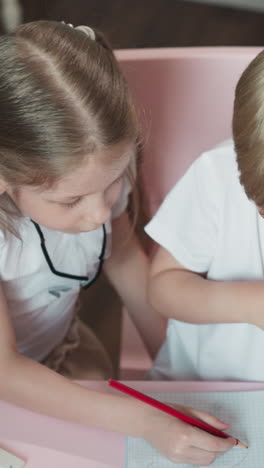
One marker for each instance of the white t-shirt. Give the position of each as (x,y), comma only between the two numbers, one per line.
(41,303)
(208,224)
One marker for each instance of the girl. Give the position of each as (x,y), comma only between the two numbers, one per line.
(68,144)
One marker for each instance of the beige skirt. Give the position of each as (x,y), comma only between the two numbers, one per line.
(81,356)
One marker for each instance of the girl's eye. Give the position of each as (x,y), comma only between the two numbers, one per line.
(72,204)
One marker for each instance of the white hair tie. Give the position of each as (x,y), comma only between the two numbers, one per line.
(85,29)
(88,31)
(67,24)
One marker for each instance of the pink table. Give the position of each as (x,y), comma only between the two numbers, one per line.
(45,441)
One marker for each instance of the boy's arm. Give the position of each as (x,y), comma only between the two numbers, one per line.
(128,271)
(179,293)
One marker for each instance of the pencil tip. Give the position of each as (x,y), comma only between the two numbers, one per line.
(241,444)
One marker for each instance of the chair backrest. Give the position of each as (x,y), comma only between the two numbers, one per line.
(185,99)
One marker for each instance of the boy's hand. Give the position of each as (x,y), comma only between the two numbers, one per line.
(183,443)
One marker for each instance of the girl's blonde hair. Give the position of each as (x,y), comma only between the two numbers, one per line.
(62,96)
(248,129)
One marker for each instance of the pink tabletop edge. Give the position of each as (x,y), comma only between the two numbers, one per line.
(34,433)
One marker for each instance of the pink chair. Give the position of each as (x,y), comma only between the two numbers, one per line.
(185,98)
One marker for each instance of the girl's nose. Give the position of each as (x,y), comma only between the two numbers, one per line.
(101,211)
(101,216)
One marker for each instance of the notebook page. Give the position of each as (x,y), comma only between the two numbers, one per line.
(244,411)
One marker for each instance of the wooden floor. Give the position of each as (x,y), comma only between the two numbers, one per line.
(146,23)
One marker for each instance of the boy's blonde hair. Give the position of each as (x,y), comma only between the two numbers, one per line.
(62,97)
(248,129)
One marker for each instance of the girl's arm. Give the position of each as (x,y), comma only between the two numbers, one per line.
(179,293)
(128,271)
(28,384)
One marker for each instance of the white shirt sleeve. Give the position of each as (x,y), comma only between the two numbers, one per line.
(186,223)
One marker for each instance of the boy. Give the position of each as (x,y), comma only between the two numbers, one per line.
(207,276)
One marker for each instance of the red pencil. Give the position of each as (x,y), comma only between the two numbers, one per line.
(171,411)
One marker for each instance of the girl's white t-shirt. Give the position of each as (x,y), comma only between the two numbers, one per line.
(208,224)
(41,304)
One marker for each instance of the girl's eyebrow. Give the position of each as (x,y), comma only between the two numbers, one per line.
(71,198)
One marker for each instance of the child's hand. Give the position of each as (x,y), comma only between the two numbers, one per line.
(183,443)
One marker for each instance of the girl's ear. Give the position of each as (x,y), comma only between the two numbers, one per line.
(3,186)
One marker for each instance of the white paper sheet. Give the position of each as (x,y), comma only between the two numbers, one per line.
(244,411)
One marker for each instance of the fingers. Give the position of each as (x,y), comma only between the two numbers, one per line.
(205,441)
(201,439)
(202,416)
(194,456)
(208,441)
(184,443)
(197,447)
(209,419)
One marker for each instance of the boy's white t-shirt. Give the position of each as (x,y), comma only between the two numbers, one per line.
(208,224)
(41,303)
